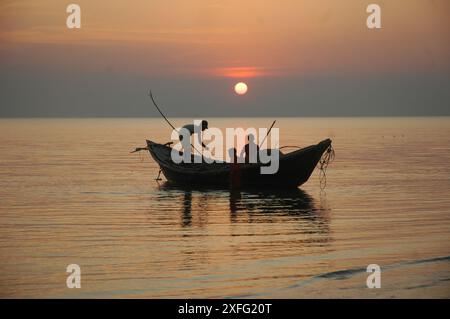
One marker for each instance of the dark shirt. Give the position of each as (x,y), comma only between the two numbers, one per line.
(247,153)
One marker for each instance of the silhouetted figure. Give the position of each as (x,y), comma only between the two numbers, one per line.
(191,129)
(251,150)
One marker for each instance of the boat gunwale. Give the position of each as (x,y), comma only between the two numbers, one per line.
(218,167)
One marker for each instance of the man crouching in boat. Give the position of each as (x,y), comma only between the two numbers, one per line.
(192,129)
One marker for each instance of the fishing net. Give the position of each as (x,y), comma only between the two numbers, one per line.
(325,160)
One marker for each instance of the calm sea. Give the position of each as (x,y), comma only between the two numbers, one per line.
(72,194)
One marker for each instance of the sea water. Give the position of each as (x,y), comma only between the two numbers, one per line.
(71,193)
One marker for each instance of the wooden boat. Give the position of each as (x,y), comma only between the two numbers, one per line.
(295,168)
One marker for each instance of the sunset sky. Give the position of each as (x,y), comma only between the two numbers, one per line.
(299,58)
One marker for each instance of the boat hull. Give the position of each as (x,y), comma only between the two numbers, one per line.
(295,168)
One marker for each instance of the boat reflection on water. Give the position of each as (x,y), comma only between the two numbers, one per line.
(287,201)
(249,206)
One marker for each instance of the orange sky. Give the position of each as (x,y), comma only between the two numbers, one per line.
(227,38)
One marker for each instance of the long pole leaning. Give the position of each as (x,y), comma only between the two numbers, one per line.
(168,122)
(160,112)
(268,132)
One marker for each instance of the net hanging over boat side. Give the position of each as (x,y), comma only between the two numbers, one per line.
(325,160)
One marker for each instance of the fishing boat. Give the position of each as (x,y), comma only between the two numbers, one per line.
(295,168)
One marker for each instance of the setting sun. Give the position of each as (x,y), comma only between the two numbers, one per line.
(240,88)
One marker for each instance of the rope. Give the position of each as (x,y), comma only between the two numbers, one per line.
(326,159)
(290,146)
(159,174)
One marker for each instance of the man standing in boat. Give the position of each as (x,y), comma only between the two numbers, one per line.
(196,128)
(251,150)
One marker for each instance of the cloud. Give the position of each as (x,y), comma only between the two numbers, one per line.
(62,35)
